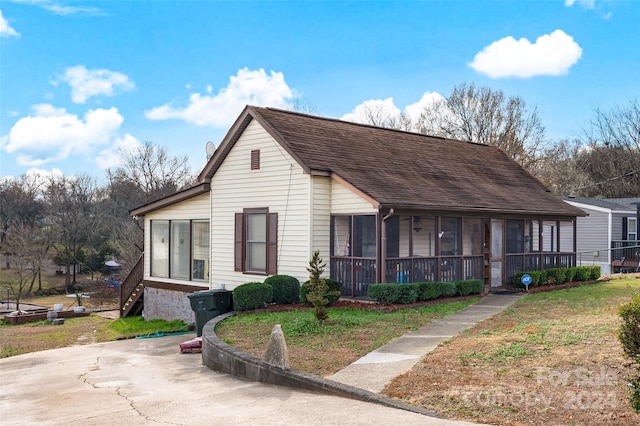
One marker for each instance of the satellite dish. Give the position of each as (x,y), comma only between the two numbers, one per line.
(210,150)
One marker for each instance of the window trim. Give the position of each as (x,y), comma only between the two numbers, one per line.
(240,242)
(629,233)
(169,223)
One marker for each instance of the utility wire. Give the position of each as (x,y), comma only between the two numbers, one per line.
(608,180)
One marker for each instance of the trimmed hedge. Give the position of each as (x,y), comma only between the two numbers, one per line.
(629,335)
(389,293)
(252,295)
(333,286)
(286,289)
(556,276)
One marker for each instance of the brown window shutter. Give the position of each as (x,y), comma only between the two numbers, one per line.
(238,247)
(255,159)
(272,244)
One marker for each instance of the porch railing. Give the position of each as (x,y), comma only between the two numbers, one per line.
(535,261)
(625,256)
(356,274)
(132,287)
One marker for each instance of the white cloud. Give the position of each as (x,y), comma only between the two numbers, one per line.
(429,98)
(110,157)
(381,111)
(5,29)
(53,134)
(42,176)
(599,8)
(86,83)
(587,4)
(59,8)
(551,54)
(373,111)
(253,87)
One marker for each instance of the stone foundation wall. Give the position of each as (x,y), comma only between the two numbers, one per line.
(167,305)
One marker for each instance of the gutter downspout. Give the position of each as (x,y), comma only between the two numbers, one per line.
(383,254)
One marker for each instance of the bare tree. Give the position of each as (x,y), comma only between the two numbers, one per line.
(611,157)
(557,167)
(74,218)
(480,114)
(19,201)
(151,169)
(146,174)
(28,245)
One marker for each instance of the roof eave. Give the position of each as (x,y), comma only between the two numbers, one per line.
(178,197)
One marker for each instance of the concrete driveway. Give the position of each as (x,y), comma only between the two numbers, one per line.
(142,381)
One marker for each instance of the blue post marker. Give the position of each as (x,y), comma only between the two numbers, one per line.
(526,280)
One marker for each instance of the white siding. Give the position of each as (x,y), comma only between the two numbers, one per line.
(343,200)
(280,185)
(194,208)
(320,211)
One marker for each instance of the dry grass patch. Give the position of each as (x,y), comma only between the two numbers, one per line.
(553,358)
(348,335)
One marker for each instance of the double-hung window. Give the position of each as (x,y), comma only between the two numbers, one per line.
(256,235)
(632,229)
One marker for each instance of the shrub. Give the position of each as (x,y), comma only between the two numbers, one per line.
(388,293)
(429,290)
(463,288)
(448,288)
(286,289)
(582,273)
(477,286)
(252,295)
(334,286)
(629,336)
(556,275)
(571,273)
(594,272)
(383,293)
(408,293)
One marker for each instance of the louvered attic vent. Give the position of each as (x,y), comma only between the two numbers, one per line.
(255,159)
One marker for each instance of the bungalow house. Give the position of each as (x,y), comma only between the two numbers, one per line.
(608,237)
(381,205)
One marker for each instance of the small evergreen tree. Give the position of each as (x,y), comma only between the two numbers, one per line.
(318,290)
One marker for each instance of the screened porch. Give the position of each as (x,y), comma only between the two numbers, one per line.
(368,249)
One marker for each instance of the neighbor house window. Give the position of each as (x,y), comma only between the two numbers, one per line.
(180,249)
(256,233)
(632,229)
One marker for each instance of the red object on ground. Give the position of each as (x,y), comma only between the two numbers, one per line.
(191,346)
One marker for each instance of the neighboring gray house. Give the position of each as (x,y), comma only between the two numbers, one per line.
(609,236)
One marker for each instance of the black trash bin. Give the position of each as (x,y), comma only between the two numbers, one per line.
(209,304)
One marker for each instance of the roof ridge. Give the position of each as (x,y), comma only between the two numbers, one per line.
(370,126)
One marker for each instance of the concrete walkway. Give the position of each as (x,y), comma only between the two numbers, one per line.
(376,369)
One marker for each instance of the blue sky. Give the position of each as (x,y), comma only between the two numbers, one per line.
(81,79)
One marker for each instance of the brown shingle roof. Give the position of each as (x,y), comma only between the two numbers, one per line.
(401,169)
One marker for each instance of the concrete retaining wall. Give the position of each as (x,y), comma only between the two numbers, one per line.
(224,358)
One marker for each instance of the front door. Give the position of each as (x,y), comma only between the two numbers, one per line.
(497,259)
